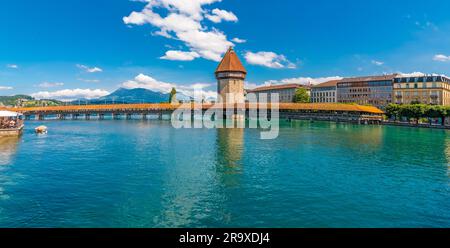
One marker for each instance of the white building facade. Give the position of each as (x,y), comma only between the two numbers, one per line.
(325,92)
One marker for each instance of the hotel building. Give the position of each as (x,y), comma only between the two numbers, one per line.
(425,89)
(324,92)
(285,91)
(372,90)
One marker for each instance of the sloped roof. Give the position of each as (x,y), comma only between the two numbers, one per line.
(369,78)
(331,83)
(230,63)
(276,87)
(168,106)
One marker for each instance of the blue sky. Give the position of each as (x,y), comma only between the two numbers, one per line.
(69,49)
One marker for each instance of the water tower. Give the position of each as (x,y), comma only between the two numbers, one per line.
(230,76)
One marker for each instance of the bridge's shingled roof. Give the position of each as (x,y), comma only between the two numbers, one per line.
(170,107)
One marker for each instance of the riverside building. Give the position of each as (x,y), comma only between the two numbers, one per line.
(324,92)
(286,91)
(371,90)
(432,89)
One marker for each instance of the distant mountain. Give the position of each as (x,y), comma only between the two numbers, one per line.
(135,96)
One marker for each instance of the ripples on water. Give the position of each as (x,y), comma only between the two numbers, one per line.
(147,174)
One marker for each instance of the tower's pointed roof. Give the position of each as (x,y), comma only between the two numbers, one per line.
(230,62)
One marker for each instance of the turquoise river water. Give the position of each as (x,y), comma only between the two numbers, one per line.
(147,174)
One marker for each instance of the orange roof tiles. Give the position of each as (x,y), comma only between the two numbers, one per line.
(170,107)
(230,63)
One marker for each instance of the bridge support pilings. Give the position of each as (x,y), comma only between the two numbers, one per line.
(61,116)
(101,116)
(116,116)
(27,117)
(75,116)
(144,117)
(129,116)
(40,117)
(87,117)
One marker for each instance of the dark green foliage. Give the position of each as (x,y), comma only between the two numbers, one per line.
(173,94)
(301,96)
(416,111)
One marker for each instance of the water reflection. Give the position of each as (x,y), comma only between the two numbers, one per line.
(447,155)
(230,149)
(369,137)
(8,148)
(194,188)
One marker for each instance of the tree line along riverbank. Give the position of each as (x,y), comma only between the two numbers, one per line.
(418,113)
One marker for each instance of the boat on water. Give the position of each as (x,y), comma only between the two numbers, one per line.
(11,123)
(41,130)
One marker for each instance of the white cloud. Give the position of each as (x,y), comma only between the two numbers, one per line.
(89,69)
(50,85)
(180,55)
(417,74)
(269,59)
(89,80)
(413,74)
(303,80)
(237,40)
(12,66)
(146,82)
(378,63)
(248,85)
(183,22)
(441,58)
(219,15)
(6,88)
(71,94)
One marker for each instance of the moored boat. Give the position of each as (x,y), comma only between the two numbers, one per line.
(11,123)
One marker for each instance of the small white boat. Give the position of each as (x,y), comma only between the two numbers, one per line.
(41,130)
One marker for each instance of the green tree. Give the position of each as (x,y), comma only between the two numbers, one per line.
(173,95)
(413,111)
(436,111)
(418,111)
(393,110)
(301,96)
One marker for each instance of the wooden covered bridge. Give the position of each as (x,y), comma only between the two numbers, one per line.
(309,111)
